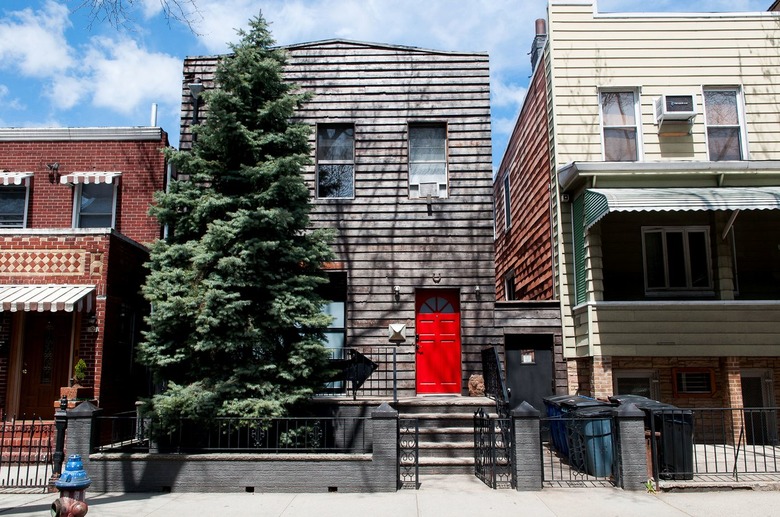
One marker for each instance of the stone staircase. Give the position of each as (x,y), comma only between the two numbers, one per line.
(446,431)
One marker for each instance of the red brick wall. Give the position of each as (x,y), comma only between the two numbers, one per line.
(51,204)
(526,247)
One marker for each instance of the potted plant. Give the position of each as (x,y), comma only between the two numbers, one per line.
(76,391)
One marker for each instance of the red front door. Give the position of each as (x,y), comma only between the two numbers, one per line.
(438,341)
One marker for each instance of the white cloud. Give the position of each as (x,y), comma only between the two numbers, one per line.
(504,95)
(34,41)
(8,102)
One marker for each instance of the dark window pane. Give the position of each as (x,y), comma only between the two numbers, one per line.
(335,180)
(620,145)
(654,257)
(12,206)
(675,253)
(724,143)
(97,205)
(697,251)
(634,386)
(335,142)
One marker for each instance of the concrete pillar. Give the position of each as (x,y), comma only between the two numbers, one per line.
(384,420)
(631,450)
(527,462)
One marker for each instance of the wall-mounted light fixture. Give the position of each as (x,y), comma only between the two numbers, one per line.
(54,172)
(396,292)
(196,88)
(477,292)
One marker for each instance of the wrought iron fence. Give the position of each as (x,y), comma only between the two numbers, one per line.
(579,451)
(365,372)
(495,387)
(706,444)
(26,453)
(280,435)
(493,450)
(408,453)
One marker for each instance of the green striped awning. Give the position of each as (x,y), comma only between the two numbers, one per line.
(600,202)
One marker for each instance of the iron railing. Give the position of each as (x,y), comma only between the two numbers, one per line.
(409,453)
(579,451)
(707,444)
(280,435)
(26,453)
(493,450)
(495,387)
(356,363)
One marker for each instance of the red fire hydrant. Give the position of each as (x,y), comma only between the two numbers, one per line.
(72,484)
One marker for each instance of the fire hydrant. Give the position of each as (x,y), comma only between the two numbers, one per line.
(72,484)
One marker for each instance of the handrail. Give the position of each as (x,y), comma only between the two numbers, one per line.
(495,387)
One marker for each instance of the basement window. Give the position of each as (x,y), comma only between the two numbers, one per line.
(693,381)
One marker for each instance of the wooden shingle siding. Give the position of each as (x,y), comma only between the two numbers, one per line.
(668,53)
(384,238)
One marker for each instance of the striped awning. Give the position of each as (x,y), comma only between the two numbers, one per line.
(14,178)
(89,177)
(600,202)
(47,297)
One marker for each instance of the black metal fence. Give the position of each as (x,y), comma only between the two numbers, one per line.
(365,372)
(26,453)
(495,387)
(579,451)
(707,444)
(281,435)
(493,450)
(409,453)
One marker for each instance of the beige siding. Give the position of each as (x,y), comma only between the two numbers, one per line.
(661,54)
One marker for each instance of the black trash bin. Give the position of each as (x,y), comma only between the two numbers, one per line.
(674,426)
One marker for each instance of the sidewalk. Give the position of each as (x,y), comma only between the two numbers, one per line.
(451,496)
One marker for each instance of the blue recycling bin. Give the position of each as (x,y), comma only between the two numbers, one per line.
(590,440)
(559,409)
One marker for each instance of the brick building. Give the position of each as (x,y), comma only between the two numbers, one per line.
(73,228)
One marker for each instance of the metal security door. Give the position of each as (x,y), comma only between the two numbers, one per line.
(438,341)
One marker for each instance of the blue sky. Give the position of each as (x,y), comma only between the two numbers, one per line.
(57,69)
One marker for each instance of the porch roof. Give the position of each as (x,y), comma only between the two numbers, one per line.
(600,202)
(47,297)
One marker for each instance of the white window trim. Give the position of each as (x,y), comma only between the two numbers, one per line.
(442,194)
(76,219)
(317,160)
(743,141)
(637,118)
(26,184)
(507,203)
(667,291)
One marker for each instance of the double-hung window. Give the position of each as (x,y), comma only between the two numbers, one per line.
(677,258)
(620,123)
(95,205)
(427,160)
(14,195)
(336,161)
(724,120)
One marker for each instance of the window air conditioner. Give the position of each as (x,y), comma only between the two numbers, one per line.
(675,107)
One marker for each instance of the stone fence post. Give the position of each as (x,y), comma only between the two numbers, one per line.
(631,449)
(81,431)
(384,420)
(527,461)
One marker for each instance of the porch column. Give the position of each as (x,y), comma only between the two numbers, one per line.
(723,257)
(601,378)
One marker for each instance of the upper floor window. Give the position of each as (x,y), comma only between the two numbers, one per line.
(507,204)
(95,205)
(509,285)
(14,194)
(677,258)
(725,124)
(428,160)
(619,120)
(335,161)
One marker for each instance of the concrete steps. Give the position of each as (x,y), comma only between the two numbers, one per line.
(446,431)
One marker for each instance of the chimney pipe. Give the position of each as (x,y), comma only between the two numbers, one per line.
(537,47)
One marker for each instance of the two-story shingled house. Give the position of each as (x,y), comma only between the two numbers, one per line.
(402,172)
(664,194)
(73,223)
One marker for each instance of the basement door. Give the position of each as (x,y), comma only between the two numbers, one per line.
(45,362)
(437,325)
(529,369)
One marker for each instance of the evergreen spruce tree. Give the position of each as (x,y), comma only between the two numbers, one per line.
(235,322)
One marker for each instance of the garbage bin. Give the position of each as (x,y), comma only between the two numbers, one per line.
(559,408)
(674,428)
(590,440)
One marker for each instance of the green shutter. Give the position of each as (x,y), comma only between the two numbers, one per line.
(578,231)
